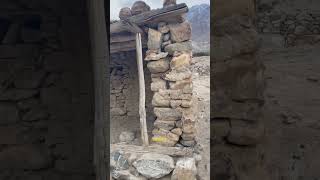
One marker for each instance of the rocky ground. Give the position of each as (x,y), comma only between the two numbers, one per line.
(201,88)
(292,109)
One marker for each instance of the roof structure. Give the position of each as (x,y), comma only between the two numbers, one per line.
(122,32)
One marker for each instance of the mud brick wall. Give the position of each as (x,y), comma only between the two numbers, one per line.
(237,98)
(46,91)
(295,21)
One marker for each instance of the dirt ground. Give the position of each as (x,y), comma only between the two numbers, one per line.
(292,107)
(201,88)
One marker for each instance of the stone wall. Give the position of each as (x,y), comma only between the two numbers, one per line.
(295,21)
(168,77)
(237,94)
(46,91)
(169,57)
(124,96)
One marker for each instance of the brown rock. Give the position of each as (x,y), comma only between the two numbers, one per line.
(154,39)
(178,75)
(177,131)
(158,84)
(167,114)
(153,56)
(188,126)
(182,47)
(186,103)
(182,61)
(175,103)
(167,3)
(188,136)
(185,169)
(159,66)
(160,101)
(139,7)
(166,125)
(180,32)
(163,28)
(125,13)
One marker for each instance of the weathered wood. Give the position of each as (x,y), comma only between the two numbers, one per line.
(167,14)
(171,151)
(98,36)
(142,95)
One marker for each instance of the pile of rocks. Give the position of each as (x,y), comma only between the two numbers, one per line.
(169,57)
(291,24)
(151,166)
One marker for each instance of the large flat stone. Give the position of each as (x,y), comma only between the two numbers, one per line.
(183,46)
(154,165)
(168,114)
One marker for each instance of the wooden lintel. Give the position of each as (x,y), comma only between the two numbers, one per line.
(171,151)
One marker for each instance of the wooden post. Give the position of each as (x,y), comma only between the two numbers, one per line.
(99,52)
(142,98)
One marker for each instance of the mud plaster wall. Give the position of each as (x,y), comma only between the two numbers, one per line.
(237,123)
(46,101)
(124,96)
(297,21)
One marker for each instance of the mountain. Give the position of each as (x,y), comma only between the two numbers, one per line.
(199,17)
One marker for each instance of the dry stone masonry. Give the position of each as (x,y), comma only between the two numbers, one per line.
(169,56)
(169,84)
(46,112)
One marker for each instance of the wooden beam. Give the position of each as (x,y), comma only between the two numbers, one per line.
(171,151)
(99,51)
(142,95)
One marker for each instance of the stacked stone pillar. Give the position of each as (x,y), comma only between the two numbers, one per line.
(169,57)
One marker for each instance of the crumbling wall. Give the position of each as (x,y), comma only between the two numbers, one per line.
(237,94)
(297,21)
(46,91)
(124,96)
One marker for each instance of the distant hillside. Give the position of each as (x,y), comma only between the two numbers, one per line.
(199,17)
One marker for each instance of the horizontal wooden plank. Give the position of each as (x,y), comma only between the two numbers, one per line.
(171,151)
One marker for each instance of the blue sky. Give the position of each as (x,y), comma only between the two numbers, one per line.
(116,5)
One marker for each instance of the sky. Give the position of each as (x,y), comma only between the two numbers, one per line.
(116,5)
